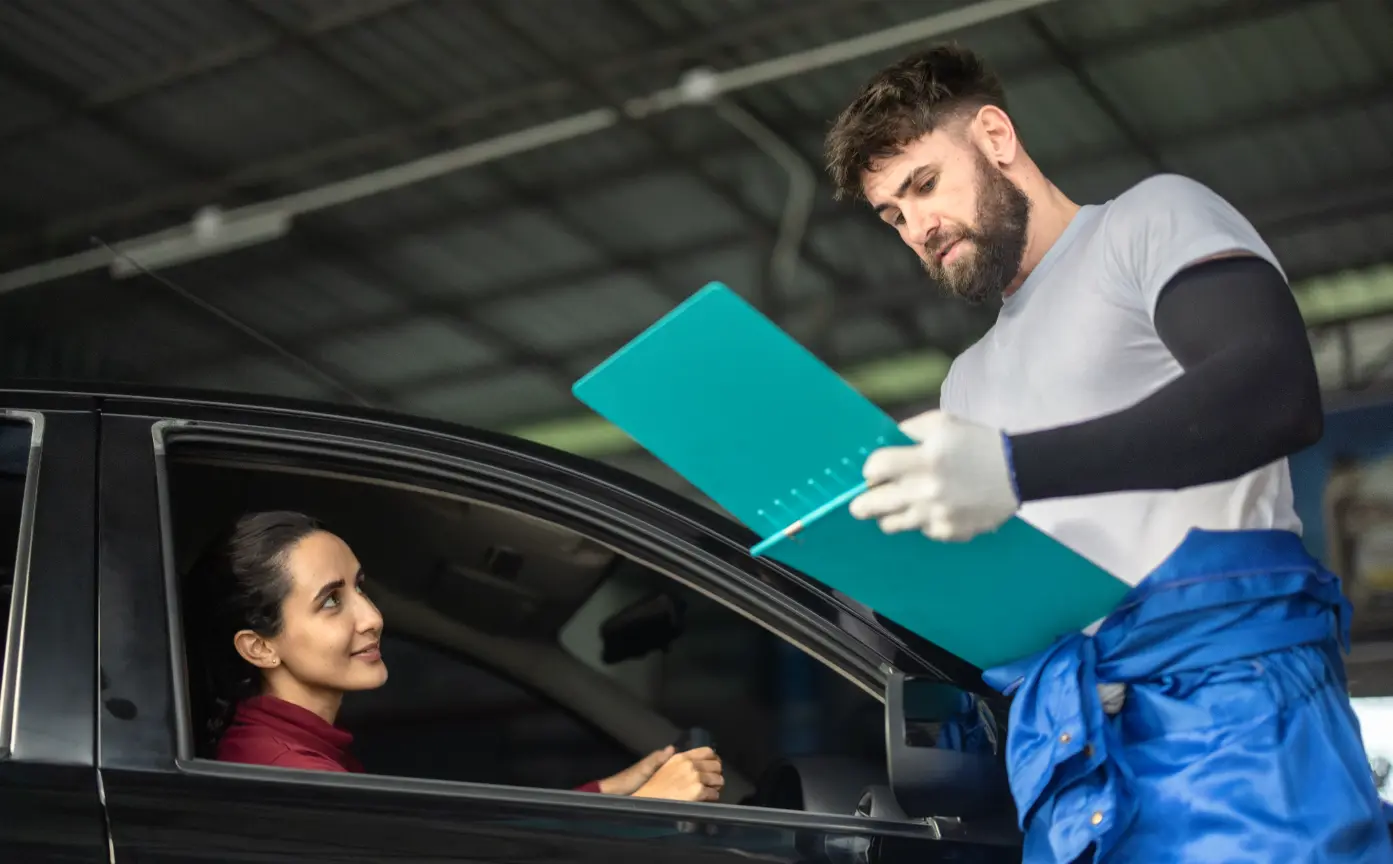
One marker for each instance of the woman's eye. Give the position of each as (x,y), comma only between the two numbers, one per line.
(331,601)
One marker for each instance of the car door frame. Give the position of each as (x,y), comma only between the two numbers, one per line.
(144,764)
(49,790)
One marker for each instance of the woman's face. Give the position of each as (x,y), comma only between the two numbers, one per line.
(328,642)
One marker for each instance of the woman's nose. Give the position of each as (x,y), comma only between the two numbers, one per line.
(369,618)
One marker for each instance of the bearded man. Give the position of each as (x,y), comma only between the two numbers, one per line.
(1137,397)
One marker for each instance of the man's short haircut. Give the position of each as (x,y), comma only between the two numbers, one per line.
(901,104)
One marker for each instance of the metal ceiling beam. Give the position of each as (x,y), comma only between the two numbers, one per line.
(728,193)
(1296,110)
(460,117)
(119,93)
(501,343)
(1073,61)
(338,193)
(725,191)
(535,287)
(314,240)
(58,90)
(186,197)
(1289,214)
(739,112)
(233,54)
(898,300)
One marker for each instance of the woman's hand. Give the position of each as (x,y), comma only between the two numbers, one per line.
(628,781)
(691,776)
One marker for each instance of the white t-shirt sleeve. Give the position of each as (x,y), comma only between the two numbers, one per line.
(1167,223)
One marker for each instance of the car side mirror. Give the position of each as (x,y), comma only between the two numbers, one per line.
(942,749)
(649,624)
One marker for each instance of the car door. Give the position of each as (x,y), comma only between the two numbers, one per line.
(50,809)
(164,805)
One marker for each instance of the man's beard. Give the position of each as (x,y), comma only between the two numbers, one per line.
(998,241)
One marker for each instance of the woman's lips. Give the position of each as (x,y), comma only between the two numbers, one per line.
(371,654)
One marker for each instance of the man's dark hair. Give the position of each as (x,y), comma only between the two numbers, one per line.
(901,104)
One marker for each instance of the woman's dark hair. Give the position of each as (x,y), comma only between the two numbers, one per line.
(238,583)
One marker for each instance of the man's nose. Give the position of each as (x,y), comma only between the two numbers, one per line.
(922,226)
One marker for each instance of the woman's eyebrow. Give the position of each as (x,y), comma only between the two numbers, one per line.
(328,589)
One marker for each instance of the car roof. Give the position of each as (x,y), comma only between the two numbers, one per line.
(926,655)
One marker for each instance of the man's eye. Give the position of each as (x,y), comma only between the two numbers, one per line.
(928,186)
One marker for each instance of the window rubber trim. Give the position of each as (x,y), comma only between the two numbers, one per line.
(13,660)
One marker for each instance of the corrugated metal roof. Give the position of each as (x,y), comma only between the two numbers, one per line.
(477,295)
(379,359)
(615,306)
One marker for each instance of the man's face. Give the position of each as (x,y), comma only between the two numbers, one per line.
(959,213)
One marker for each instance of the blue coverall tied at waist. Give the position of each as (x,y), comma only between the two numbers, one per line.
(1235,740)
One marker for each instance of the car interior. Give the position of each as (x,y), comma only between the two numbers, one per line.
(522,653)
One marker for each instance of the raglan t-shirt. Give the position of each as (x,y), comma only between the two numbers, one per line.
(1078,341)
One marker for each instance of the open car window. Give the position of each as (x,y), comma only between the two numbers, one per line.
(443,717)
(690,658)
(506,662)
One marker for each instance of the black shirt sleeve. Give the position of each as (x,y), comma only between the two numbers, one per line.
(1248,396)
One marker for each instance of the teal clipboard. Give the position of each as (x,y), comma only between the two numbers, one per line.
(754,420)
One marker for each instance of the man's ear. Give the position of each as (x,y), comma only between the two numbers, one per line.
(255,649)
(996,135)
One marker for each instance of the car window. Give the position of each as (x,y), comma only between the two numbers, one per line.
(15,444)
(759,697)
(488,612)
(443,717)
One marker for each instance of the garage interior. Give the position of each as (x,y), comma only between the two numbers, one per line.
(454,210)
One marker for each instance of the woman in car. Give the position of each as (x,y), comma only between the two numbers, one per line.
(277,610)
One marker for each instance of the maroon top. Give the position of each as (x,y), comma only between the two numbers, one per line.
(270,731)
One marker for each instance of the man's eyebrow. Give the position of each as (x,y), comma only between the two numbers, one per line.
(915,174)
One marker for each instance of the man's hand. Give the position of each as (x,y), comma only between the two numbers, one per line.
(691,776)
(954,484)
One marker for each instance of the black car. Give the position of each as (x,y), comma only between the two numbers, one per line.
(548,619)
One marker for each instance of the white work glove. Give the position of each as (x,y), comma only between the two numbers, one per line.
(954,484)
